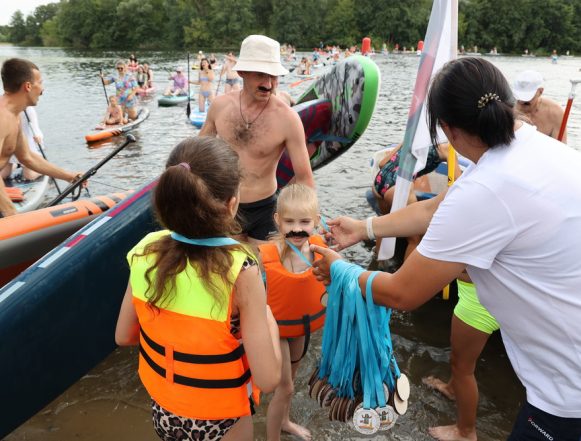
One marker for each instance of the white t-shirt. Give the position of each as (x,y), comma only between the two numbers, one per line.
(515,220)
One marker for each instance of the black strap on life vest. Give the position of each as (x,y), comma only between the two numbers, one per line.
(307,325)
(227,383)
(236,354)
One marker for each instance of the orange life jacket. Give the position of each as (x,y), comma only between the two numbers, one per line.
(295,299)
(189,362)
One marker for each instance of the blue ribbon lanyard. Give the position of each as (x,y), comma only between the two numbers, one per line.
(324,224)
(379,319)
(373,394)
(299,253)
(205,242)
(337,354)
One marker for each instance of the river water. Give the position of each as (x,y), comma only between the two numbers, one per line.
(109,402)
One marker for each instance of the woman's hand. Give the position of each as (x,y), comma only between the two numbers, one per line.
(322,267)
(346,231)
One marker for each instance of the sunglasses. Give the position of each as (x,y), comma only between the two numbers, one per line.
(120,68)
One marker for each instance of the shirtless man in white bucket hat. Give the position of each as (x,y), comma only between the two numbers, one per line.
(259,126)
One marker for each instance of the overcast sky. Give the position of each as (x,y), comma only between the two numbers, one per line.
(9,7)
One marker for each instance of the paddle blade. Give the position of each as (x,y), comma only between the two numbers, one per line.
(188,110)
(296,83)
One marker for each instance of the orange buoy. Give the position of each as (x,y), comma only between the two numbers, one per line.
(421,45)
(366,45)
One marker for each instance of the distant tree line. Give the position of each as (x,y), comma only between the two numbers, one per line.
(510,26)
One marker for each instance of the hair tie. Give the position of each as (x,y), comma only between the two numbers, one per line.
(486,98)
(184,165)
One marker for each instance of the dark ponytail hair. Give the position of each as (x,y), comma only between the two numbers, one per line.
(472,94)
(202,175)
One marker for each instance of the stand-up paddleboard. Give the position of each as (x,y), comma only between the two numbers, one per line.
(316,118)
(198,118)
(105,132)
(352,87)
(26,237)
(57,318)
(174,100)
(26,195)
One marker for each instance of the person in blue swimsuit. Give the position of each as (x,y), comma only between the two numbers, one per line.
(205,78)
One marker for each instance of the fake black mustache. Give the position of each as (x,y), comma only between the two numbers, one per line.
(264,89)
(296,234)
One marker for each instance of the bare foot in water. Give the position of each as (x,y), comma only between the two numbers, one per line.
(451,433)
(295,429)
(444,388)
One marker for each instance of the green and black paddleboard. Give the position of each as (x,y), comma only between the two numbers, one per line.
(352,86)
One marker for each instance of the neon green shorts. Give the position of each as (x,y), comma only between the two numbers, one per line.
(471,312)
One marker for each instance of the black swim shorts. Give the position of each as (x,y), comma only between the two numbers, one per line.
(257,218)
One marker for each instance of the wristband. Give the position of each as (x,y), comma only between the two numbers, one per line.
(370,234)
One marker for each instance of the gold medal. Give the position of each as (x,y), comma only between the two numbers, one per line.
(402,387)
(365,421)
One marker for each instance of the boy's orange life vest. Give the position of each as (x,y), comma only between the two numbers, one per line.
(295,299)
(189,362)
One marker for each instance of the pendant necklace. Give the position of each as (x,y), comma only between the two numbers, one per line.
(249,123)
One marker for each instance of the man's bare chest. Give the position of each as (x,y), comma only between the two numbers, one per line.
(257,136)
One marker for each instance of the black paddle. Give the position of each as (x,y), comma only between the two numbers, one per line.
(130,138)
(104,88)
(188,108)
(41,151)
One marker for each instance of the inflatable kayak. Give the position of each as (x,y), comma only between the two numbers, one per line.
(105,132)
(27,195)
(57,318)
(28,236)
(171,100)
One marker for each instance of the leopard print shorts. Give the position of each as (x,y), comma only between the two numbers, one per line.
(171,427)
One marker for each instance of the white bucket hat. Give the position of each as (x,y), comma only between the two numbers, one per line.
(260,54)
(526,84)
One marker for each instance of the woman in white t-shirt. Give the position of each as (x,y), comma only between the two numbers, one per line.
(512,221)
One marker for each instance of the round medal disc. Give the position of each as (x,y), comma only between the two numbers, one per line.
(315,390)
(402,387)
(328,397)
(387,417)
(349,409)
(342,410)
(386,392)
(313,377)
(324,299)
(400,406)
(334,407)
(365,421)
